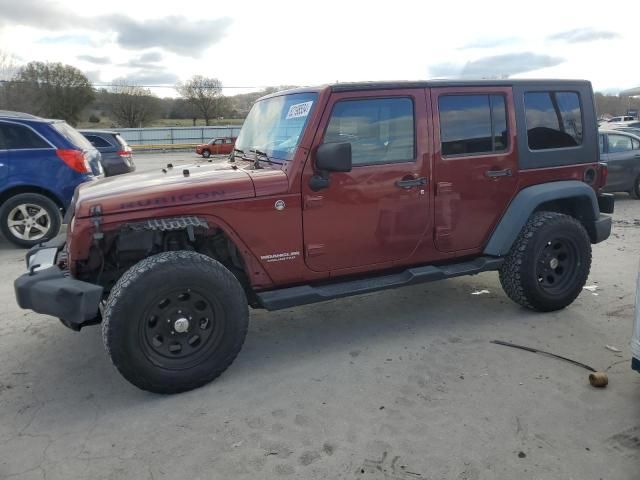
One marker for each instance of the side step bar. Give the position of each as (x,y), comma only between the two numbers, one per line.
(305,294)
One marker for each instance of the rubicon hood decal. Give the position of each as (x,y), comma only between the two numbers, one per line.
(207,183)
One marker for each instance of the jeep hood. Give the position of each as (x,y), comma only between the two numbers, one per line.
(157,188)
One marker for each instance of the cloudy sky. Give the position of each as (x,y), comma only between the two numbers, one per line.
(254,44)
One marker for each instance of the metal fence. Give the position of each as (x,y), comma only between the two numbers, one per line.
(176,135)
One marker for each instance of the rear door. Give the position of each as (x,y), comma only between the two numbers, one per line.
(475,163)
(378,212)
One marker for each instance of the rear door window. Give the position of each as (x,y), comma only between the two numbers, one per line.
(18,137)
(472,124)
(554,119)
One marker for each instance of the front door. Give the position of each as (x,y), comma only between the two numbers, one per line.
(476,166)
(622,156)
(379,212)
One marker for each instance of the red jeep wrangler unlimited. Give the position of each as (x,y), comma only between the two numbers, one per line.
(330,192)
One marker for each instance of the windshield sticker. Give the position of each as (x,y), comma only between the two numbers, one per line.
(299,110)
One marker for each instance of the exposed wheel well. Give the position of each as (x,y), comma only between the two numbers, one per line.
(10,192)
(579,208)
(125,247)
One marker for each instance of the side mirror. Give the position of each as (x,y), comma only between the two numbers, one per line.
(334,157)
(330,157)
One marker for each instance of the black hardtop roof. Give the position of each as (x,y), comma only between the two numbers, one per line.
(344,87)
(401,84)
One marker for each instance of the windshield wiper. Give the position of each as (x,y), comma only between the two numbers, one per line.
(234,154)
(258,154)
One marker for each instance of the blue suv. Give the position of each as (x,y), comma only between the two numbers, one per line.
(41,163)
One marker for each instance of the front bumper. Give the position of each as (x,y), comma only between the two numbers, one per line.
(49,290)
(635,339)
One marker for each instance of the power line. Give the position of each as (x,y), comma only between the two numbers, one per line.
(104,85)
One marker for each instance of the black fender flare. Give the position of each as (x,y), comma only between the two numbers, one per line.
(529,199)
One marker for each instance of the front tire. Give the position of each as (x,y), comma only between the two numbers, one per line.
(175,321)
(28,219)
(548,263)
(206,153)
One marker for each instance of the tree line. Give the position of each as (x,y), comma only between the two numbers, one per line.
(55,90)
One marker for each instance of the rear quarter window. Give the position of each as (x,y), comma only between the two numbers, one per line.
(98,142)
(72,135)
(554,119)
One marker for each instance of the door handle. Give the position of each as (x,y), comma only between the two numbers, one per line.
(413,182)
(498,173)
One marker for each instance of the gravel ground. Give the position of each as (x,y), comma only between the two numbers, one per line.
(403,384)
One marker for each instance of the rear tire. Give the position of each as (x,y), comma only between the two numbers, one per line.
(175,321)
(27,219)
(206,153)
(548,263)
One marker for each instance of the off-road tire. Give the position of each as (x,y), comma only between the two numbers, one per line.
(635,190)
(45,203)
(125,319)
(519,273)
(206,153)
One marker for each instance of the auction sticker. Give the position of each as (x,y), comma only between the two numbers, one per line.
(299,110)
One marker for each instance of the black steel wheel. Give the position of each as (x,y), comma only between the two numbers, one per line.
(180,327)
(175,321)
(556,265)
(548,263)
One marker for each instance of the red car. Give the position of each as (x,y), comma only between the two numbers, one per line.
(331,192)
(217,146)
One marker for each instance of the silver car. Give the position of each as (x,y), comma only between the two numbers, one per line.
(621,151)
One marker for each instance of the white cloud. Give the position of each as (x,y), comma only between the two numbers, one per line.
(275,43)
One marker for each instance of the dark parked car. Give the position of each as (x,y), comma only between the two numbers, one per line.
(621,151)
(41,164)
(116,154)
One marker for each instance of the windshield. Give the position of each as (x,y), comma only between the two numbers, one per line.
(274,125)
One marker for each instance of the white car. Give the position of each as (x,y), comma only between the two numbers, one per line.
(622,118)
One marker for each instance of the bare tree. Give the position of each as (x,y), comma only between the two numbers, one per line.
(132,106)
(53,90)
(7,71)
(205,94)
